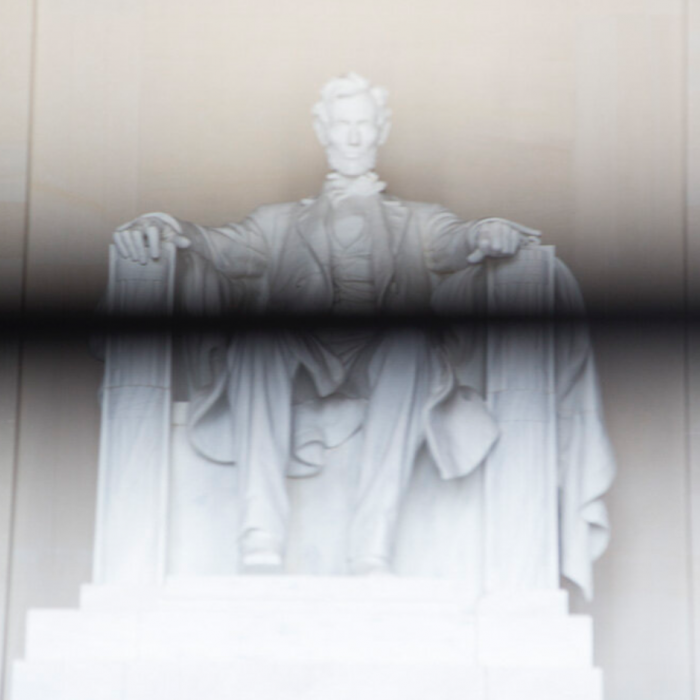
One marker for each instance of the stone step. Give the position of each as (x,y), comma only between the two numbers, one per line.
(318,590)
(313,618)
(283,633)
(276,632)
(308,638)
(274,679)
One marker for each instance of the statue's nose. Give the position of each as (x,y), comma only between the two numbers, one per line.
(354,138)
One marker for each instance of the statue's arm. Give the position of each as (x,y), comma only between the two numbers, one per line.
(236,250)
(453,243)
(450,241)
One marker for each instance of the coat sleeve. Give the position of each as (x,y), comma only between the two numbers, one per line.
(448,241)
(236,250)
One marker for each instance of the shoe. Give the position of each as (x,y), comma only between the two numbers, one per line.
(370,566)
(260,554)
(262,562)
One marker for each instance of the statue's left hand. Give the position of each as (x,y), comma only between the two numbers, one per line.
(140,239)
(498,238)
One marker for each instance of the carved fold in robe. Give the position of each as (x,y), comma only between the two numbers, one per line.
(279,260)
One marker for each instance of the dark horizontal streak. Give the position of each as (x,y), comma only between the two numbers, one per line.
(54,324)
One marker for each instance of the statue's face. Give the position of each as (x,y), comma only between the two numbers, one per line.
(353,135)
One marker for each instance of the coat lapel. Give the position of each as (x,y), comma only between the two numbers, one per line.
(311,228)
(389,219)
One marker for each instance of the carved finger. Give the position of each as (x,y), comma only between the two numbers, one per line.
(514,241)
(153,233)
(510,237)
(476,257)
(506,239)
(182,242)
(129,245)
(489,244)
(121,246)
(137,239)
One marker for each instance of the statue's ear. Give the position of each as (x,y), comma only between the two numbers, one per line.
(321,131)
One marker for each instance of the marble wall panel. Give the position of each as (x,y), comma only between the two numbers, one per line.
(693,296)
(54,503)
(16,51)
(568,116)
(628,251)
(643,608)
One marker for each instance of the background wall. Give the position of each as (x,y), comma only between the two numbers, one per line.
(572,116)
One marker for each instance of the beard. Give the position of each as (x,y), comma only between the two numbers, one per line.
(351,167)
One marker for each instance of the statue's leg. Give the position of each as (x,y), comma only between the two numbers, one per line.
(399,379)
(261,371)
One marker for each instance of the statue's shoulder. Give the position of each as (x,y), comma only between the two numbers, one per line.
(273,211)
(269,218)
(417,210)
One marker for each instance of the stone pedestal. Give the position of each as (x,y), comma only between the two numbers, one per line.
(308,638)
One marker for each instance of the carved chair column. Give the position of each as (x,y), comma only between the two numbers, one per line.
(131,528)
(520,484)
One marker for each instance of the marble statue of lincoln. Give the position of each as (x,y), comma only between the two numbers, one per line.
(269,402)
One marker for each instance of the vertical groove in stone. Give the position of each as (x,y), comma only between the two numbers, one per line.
(17,38)
(692,296)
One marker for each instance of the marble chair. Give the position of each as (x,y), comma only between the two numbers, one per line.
(163,510)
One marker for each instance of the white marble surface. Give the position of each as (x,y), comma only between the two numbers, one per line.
(405,395)
(253,637)
(440,531)
(136,402)
(464,527)
(567,142)
(351,250)
(448,473)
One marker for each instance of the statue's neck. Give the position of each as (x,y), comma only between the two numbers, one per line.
(368,184)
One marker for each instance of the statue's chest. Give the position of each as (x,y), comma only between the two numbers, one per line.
(351,267)
(349,231)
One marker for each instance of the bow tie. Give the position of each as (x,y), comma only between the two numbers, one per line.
(338,186)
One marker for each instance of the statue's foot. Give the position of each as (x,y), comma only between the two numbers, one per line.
(260,554)
(262,562)
(370,566)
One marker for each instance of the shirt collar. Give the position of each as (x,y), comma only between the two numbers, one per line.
(338,186)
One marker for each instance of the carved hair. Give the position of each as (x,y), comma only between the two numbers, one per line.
(347,86)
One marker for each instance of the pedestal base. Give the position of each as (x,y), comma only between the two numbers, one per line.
(308,638)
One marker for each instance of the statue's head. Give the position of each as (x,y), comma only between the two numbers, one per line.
(351,121)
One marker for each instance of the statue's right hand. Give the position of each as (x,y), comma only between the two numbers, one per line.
(140,239)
